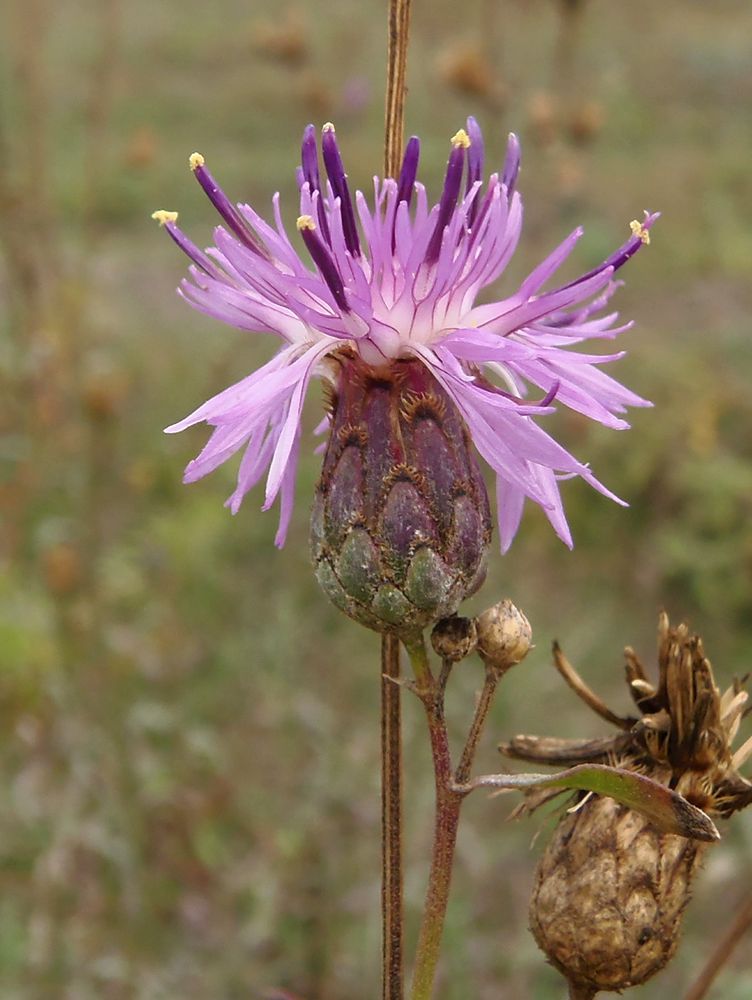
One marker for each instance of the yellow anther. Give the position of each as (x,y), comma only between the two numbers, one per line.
(461,138)
(327,127)
(196,160)
(305,222)
(640,231)
(162,216)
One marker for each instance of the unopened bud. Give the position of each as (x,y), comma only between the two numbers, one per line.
(504,636)
(454,638)
(400,524)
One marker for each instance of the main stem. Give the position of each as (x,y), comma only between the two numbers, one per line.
(391,739)
(391,821)
(396,72)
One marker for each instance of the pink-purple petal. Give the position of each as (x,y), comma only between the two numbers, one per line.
(392,276)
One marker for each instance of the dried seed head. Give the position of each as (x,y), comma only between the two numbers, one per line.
(610,890)
(454,638)
(504,636)
(609,894)
(400,525)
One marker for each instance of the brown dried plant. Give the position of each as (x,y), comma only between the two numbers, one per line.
(610,889)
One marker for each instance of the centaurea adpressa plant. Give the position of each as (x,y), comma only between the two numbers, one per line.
(382,299)
(389,297)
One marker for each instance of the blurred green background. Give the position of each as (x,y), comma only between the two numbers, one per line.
(189,731)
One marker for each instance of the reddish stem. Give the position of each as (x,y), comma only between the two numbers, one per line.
(448,805)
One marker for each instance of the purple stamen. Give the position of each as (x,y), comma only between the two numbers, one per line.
(168,221)
(190,249)
(632,245)
(511,164)
(309,158)
(622,255)
(550,395)
(448,203)
(310,165)
(538,403)
(475,152)
(336,171)
(224,206)
(475,158)
(323,261)
(409,171)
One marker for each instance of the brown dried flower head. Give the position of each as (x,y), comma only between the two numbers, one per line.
(610,889)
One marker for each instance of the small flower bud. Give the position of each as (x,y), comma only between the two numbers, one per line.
(454,638)
(504,636)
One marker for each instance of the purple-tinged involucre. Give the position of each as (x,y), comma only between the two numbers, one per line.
(392,278)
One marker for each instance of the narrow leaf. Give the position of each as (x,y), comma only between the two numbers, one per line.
(667,810)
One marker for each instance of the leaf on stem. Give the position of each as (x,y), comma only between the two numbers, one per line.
(666,809)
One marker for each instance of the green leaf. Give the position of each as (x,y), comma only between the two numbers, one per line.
(668,811)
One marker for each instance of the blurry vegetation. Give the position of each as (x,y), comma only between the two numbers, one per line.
(189,731)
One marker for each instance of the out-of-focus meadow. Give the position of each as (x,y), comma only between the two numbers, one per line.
(189,732)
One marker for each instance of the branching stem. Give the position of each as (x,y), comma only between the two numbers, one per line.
(445,825)
(449,798)
(481,713)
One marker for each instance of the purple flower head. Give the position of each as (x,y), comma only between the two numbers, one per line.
(395,278)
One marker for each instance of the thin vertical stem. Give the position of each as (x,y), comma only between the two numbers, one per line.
(391,821)
(394,119)
(740,925)
(391,739)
